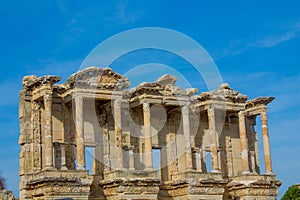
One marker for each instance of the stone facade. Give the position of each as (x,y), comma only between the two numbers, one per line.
(207,143)
(6,195)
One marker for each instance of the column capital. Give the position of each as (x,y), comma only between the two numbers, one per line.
(118,102)
(242,113)
(47,98)
(264,112)
(146,107)
(210,111)
(185,109)
(35,105)
(78,99)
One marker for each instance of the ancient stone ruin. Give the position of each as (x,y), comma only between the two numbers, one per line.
(206,144)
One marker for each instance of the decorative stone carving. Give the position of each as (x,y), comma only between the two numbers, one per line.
(93,102)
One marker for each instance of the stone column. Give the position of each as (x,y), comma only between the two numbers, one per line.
(48,132)
(213,140)
(197,159)
(185,110)
(79,132)
(147,136)
(63,156)
(266,141)
(244,143)
(118,134)
(130,158)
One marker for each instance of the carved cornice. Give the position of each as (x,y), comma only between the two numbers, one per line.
(32,82)
(259,101)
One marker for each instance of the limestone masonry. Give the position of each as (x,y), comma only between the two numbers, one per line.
(206,144)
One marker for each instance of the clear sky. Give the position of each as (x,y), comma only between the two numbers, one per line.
(255,45)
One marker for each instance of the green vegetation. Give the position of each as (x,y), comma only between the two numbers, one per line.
(293,193)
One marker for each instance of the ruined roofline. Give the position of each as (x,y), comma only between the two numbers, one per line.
(106,79)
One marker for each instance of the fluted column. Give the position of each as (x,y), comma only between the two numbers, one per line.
(147,136)
(48,132)
(118,134)
(79,132)
(213,140)
(185,110)
(266,141)
(244,142)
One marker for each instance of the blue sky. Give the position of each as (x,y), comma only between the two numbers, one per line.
(255,45)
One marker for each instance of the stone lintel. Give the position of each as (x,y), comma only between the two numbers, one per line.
(257,110)
(156,99)
(219,105)
(40,93)
(91,94)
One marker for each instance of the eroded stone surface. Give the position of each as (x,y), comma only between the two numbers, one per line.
(207,143)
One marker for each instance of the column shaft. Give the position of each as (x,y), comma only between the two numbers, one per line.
(244,142)
(147,136)
(213,140)
(266,141)
(187,136)
(35,123)
(118,134)
(79,133)
(48,132)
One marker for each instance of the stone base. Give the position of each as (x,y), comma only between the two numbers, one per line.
(131,188)
(51,185)
(194,186)
(252,186)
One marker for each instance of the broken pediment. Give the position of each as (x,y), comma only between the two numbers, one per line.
(93,77)
(164,85)
(223,93)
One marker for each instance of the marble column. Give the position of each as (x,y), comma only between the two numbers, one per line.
(244,143)
(48,132)
(147,136)
(185,110)
(118,134)
(213,140)
(266,141)
(79,132)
